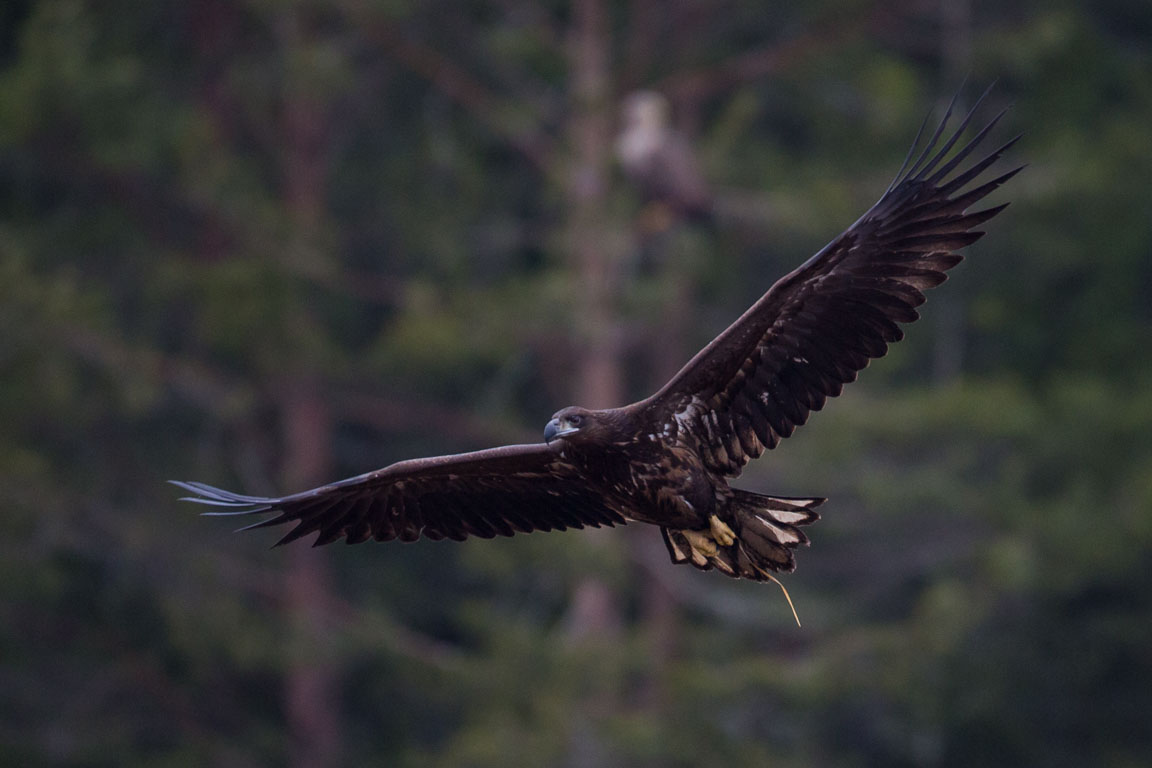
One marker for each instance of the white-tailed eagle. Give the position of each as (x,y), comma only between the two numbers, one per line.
(658,159)
(666,460)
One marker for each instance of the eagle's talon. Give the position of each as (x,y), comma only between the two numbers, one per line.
(702,543)
(723,535)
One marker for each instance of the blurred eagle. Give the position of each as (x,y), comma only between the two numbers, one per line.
(658,159)
(666,460)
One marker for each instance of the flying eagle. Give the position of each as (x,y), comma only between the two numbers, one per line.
(666,460)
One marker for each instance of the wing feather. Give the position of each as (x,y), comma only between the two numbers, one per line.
(497,492)
(817,327)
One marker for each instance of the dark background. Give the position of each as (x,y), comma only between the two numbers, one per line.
(266,245)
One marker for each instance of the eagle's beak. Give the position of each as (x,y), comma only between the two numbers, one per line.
(554,430)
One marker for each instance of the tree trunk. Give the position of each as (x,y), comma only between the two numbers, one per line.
(659,613)
(594,613)
(311,686)
(600,380)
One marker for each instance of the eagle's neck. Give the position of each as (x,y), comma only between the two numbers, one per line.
(614,428)
(605,440)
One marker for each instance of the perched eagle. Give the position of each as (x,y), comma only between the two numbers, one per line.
(658,159)
(666,460)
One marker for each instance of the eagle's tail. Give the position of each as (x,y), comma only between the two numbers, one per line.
(765,530)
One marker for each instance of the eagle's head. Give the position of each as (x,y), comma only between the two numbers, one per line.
(580,425)
(646,111)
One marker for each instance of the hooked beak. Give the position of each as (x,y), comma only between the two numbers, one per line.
(553,430)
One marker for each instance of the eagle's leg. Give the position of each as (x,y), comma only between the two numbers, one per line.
(723,535)
(703,545)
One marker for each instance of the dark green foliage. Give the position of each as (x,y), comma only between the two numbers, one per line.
(976,594)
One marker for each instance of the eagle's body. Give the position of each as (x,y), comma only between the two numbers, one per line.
(654,479)
(666,460)
(651,470)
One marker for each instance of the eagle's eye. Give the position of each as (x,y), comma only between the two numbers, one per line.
(575,420)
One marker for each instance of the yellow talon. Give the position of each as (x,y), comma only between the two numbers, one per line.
(701,543)
(721,532)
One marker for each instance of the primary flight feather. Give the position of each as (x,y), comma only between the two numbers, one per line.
(666,460)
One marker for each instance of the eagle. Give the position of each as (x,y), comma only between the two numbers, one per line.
(667,460)
(658,159)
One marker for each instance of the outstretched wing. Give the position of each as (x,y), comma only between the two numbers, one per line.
(498,491)
(818,326)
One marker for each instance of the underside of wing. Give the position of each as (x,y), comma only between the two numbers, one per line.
(496,492)
(819,326)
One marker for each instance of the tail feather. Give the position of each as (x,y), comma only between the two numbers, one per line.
(767,531)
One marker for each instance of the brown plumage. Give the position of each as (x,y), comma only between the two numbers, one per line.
(666,460)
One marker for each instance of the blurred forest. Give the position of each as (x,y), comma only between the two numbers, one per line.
(270,244)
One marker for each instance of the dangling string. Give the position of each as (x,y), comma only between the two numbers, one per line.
(786,597)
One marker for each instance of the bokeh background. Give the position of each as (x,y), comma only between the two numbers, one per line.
(269,244)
